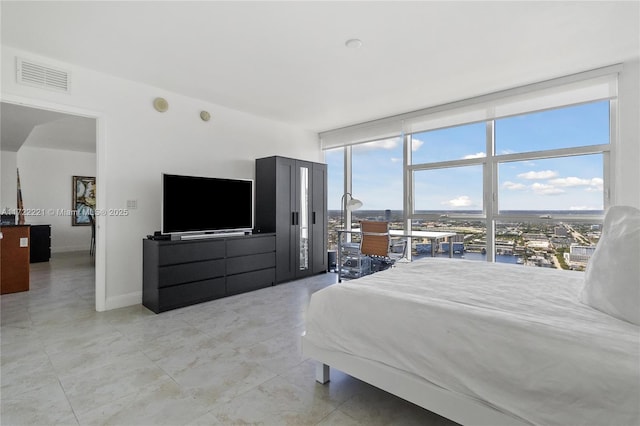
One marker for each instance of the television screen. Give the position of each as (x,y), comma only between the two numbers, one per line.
(206,204)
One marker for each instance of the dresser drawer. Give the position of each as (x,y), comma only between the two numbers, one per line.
(254,245)
(171,254)
(250,281)
(188,272)
(187,294)
(237,265)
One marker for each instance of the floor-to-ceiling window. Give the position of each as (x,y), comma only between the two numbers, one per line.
(528,188)
(540,172)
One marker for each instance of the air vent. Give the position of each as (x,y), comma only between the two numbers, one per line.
(44,76)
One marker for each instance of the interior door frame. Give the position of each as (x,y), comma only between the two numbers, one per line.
(101,184)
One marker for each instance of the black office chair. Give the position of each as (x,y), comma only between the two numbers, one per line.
(92,246)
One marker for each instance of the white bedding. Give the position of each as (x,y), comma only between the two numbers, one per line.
(515,338)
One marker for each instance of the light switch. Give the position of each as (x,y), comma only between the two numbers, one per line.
(24,242)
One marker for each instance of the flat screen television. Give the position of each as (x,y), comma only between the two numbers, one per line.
(197,204)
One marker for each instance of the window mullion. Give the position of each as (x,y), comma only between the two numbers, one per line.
(407,188)
(347,189)
(490,190)
(609,158)
(554,153)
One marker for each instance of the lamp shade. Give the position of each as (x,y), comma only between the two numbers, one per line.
(354,204)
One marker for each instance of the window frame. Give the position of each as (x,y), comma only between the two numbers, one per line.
(490,164)
(490,212)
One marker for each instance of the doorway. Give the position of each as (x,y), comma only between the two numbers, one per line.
(71,139)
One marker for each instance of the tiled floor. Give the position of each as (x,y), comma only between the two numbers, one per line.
(230,361)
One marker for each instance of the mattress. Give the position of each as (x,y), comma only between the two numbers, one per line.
(512,337)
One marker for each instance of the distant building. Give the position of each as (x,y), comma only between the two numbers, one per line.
(535,237)
(505,247)
(561,241)
(561,231)
(582,250)
(538,245)
(539,261)
(579,255)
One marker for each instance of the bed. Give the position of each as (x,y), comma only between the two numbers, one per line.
(482,343)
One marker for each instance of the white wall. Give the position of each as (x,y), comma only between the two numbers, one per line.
(8,181)
(46,182)
(627,157)
(139,143)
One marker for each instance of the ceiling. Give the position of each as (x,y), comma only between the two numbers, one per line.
(288,61)
(26,126)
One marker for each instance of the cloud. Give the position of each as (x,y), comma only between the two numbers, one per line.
(416,144)
(597,182)
(461,201)
(513,186)
(545,189)
(593,183)
(544,174)
(476,155)
(396,160)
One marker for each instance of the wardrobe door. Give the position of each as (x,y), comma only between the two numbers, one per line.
(319,219)
(286,228)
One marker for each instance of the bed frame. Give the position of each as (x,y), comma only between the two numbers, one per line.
(453,406)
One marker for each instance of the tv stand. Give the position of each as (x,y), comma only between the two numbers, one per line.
(178,273)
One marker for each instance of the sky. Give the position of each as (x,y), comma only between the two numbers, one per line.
(567,183)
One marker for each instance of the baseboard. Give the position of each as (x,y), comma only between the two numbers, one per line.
(124,300)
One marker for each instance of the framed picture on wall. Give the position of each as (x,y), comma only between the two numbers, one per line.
(84,200)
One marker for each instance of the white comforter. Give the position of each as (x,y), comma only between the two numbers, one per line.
(514,337)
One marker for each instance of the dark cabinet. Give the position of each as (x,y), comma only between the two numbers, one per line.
(181,273)
(291,200)
(40,248)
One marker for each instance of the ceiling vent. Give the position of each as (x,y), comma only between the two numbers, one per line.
(44,76)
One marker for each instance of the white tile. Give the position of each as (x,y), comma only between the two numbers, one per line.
(126,377)
(230,360)
(46,405)
(279,354)
(338,418)
(373,406)
(340,387)
(71,357)
(162,403)
(222,377)
(275,402)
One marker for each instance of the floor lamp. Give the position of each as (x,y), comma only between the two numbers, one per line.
(348,204)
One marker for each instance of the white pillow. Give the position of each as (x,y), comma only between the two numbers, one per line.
(612,277)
